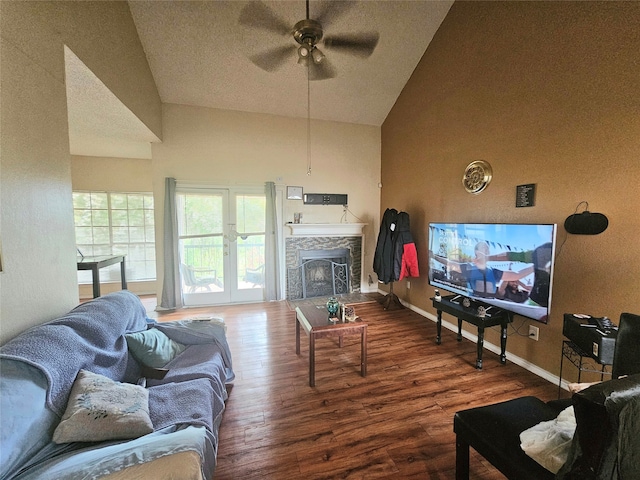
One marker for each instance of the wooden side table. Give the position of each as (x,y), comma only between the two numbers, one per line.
(315,322)
(95,263)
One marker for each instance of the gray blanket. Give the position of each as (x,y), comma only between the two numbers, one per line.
(91,336)
(197,332)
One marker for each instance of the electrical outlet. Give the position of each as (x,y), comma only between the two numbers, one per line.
(534,333)
(408,284)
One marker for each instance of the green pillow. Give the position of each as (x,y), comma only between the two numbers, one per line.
(153,348)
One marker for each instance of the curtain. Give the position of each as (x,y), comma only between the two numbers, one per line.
(271,275)
(171,291)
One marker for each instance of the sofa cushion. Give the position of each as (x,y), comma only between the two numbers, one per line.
(153,348)
(102,409)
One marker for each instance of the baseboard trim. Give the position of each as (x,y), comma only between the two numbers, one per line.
(527,365)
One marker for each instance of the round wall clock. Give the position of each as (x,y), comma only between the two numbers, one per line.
(477,176)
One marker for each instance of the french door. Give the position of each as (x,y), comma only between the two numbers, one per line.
(221,244)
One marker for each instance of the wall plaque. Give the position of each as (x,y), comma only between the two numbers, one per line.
(526,195)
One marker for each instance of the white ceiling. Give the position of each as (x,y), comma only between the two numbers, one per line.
(199,55)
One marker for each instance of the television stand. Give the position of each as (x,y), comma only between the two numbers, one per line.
(495,316)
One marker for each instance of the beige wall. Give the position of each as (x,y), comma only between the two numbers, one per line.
(547,92)
(36,220)
(108,174)
(206,146)
(36,216)
(101,34)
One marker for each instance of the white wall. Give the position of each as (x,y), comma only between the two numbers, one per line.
(222,147)
(36,218)
(39,280)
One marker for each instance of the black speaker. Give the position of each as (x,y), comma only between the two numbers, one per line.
(325,199)
(586,223)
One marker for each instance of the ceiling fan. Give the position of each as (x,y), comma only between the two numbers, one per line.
(307,35)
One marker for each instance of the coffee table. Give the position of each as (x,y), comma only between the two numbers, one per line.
(315,322)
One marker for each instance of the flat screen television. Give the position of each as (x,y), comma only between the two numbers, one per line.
(509,266)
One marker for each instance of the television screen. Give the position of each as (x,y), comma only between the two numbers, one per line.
(509,266)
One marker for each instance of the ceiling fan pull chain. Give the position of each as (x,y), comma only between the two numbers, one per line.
(308,122)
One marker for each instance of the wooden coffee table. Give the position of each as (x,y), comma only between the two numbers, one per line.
(315,322)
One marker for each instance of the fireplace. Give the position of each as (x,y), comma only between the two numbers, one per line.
(319,265)
(323,272)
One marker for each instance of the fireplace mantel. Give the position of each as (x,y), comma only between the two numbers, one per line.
(326,229)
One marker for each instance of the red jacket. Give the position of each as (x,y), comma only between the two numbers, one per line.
(409,261)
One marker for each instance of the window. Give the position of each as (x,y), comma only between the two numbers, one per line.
(116,223)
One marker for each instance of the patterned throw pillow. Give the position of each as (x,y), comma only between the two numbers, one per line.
(102,409)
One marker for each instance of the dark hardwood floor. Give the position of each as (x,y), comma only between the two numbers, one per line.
(395,423)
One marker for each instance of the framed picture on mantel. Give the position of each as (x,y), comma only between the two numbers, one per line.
(294,193)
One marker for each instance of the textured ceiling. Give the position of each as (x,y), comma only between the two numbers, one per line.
(99,124)
(199,53)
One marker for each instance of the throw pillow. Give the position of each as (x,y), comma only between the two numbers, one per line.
(153,348)
(102,409)
(549,443)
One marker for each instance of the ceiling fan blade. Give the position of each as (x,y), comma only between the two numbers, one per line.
(330,11)
(321,71)
(257,15)
(359,44)
(270,60)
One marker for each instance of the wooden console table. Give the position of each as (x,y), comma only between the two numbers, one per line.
(96,263)
(492,318)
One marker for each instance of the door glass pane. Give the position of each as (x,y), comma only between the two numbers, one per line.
(201,214)
(202,264)
(250,215)
(251,261)
(250,225)
(200,219)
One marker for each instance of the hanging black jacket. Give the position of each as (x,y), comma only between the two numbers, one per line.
(383,260)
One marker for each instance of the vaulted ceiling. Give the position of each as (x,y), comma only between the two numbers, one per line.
(200,54)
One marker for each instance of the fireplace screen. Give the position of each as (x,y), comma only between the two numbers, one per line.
(317,276)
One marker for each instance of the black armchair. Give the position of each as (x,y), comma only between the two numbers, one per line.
(494,430)
(626,354)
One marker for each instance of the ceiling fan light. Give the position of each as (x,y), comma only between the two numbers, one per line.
(304,61)
(304,51)
(317,56)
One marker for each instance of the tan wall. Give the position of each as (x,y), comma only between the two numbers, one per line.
(547,92)
(111,174)
(220,147)
(39,280)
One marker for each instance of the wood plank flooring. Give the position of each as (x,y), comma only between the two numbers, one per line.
(395,423)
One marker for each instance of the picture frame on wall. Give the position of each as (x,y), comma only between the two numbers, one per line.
(294,193)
